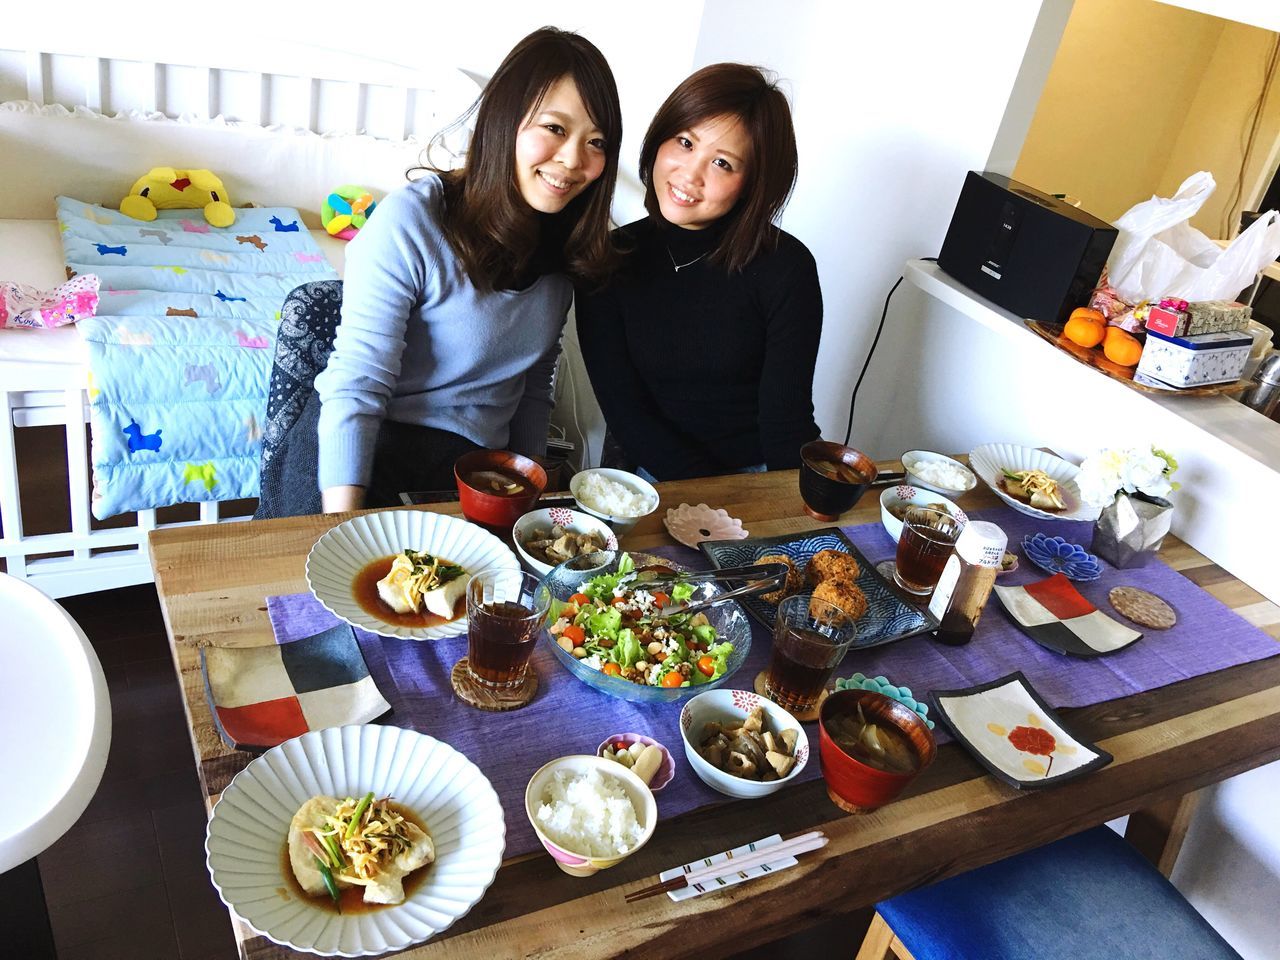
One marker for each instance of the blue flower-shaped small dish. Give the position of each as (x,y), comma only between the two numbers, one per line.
(1055,555)
(882,685)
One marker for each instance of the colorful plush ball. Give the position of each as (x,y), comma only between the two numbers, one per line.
(345,211)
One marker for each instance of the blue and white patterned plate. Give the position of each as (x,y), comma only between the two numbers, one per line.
(1055,555)
(888,617)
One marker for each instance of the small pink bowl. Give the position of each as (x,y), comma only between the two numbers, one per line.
(666,769)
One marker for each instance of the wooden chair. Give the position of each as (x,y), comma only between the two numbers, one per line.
(1087,897)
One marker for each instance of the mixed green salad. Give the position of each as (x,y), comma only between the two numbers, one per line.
(610,626)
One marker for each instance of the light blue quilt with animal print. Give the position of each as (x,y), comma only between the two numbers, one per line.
(180,352)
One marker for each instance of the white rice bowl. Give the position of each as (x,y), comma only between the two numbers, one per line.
(589,813)
(611,497)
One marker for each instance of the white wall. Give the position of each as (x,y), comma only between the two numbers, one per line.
(893,103)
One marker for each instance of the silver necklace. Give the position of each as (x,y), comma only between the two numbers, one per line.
(681,266)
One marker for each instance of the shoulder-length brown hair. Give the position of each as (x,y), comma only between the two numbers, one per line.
(493,230)
(748,93)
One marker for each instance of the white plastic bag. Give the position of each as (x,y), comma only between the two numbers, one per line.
(1159,254)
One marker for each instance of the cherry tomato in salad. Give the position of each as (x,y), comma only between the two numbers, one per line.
(618,601)
(579,599)
(707,666)
(574,633)
(673,679)
(661,599)
(612,669)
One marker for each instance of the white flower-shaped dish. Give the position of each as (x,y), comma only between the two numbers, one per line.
(692,525)
(250,826)
(991,459)
(339,555)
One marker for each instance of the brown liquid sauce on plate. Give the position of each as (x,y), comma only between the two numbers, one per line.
(352,898)
(365,588)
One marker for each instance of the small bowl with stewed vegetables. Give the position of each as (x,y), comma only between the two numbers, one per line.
(547,538)
(895,502)
(742,744)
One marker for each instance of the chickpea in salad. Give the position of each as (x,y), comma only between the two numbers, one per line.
(610,627)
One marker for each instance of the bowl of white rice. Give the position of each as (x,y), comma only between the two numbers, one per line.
(590,813)
(935,472)
(617,497)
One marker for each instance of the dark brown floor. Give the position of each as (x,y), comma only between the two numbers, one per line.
(128,881)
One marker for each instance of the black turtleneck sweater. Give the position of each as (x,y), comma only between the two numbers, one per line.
(698,371)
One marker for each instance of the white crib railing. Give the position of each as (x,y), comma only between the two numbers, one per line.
(381,100)
(365,96)
(82,559)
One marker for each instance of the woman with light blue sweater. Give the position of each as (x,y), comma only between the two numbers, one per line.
(457,288)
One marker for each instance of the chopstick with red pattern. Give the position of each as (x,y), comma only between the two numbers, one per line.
(805,843)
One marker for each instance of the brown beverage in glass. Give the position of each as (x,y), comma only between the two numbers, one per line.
(810,638)
(927,540)
(506,611)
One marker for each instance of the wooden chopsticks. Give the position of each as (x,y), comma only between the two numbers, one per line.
(804,843)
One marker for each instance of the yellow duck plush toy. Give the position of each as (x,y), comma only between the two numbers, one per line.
(165,188)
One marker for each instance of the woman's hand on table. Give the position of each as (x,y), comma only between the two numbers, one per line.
(342,498)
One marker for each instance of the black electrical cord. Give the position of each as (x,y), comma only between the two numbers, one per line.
(866,363)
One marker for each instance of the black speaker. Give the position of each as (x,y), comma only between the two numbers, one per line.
(1025,250)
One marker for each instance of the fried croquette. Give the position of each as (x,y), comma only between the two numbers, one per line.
(832,565)
(845,595)
(794,577)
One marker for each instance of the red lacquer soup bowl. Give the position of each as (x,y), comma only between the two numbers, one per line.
(480,476)
(853,785)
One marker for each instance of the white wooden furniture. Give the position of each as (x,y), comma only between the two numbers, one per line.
(56,716)
(88,126)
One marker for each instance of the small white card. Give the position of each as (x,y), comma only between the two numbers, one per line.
(709,886)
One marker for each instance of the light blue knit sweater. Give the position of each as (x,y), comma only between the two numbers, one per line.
(418,343)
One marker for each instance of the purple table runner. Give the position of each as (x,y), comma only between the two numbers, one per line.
(569,717)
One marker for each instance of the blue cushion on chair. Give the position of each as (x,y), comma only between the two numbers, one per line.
(1088,896)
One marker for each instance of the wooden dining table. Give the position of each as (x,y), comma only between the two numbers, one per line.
(1168,743)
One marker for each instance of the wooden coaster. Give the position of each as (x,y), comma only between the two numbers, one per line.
(496,699)
(1142,607)
(805,716)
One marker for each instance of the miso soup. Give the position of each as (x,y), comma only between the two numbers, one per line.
(879,745)
(836,470)
(498,483)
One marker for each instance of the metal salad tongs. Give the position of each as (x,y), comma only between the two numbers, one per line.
(760,577)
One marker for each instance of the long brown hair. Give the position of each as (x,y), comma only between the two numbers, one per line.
(752,96)
(492,229)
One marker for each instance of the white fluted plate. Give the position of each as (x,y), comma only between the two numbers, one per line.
(249,829)
(990,459)
(342,552)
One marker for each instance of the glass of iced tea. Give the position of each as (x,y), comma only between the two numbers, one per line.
(506,610)
(928,537)
(810,638)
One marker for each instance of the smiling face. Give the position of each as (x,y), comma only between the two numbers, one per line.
(559,149)
(698,174)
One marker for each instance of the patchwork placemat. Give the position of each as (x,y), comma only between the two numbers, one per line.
(568,717)
(262,696)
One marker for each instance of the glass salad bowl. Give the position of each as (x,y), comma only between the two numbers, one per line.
(728,618)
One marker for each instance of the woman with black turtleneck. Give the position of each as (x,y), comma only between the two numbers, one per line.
(701,349)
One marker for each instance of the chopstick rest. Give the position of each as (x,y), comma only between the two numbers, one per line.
(730,867)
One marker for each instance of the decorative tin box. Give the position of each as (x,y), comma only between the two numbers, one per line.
(1195,361)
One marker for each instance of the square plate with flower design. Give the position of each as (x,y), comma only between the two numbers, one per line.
(1012,732)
